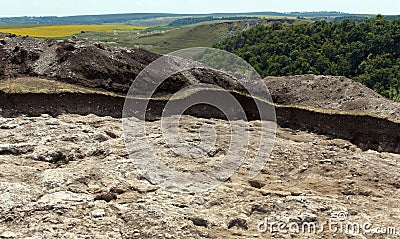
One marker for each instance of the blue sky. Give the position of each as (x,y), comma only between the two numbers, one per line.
(79,7)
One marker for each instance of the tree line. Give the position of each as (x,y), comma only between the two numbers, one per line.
(367,51)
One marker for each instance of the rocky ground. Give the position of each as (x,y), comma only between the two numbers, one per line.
(71,177)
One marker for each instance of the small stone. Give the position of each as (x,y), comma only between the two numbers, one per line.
(50,157)
(296,194)
(111,134)
(200,222)
(136,235)
(108,197)
(100,137)
(98,213)
(15,149)
(8,234)
(9,126)
(308,217)
(275,193)
(239,223)
(100,45)
(256,184)
(325,161)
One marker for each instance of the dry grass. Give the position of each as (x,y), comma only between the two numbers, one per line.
(55,31)
(25,85)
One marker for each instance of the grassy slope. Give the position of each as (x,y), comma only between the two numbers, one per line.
(165,39)
(199,35)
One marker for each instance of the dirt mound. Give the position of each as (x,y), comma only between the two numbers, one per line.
(73,61)
(91,64)
(330,92)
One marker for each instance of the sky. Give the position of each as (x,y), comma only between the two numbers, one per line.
(14,8)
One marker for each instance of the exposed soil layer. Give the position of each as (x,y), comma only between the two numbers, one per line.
(330,92)
(368,132)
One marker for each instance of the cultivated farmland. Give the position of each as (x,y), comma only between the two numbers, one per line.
(55,31)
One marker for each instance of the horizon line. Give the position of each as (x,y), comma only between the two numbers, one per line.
(208,13)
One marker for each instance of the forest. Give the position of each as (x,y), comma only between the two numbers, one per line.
(367,51)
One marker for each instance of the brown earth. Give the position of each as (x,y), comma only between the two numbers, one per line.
(330,92)
(73,61)
(89,64)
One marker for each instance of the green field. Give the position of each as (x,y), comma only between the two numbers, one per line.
(165,39)
(203,35)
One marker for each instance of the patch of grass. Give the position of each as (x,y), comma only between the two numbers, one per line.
(159,28)
(55,31)
(166,39)
(25,85)
(199,35)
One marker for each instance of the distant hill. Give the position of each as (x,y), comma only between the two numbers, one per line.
(84,19)
(121,18)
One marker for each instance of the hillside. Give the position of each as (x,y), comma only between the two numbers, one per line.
(205,34)
(87,19)
(200,35)
(366,52)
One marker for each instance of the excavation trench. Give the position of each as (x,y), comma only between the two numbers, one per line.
(366,131)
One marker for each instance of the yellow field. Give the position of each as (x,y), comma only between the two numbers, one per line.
(66,30)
